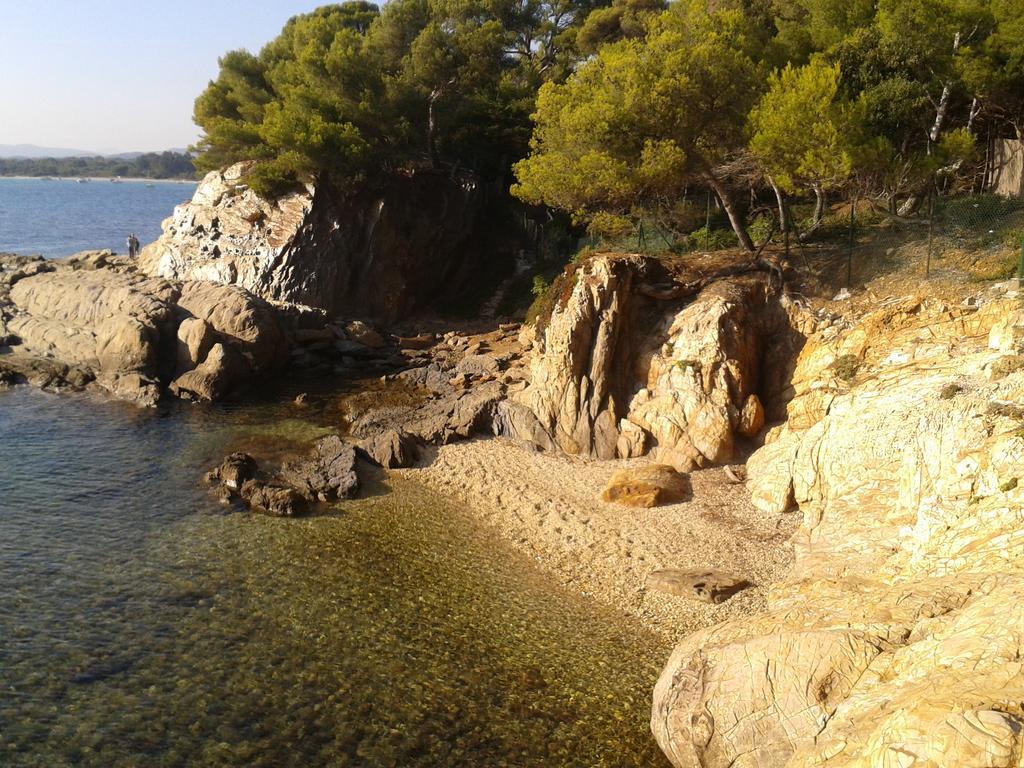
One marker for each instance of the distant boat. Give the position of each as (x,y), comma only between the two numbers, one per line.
(151,185)
(83,181)
(116,180)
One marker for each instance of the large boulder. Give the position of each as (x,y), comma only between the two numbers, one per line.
(115,324)
(241,319)
(648,486)
(419,241)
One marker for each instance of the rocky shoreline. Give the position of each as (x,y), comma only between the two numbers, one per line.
(819,501)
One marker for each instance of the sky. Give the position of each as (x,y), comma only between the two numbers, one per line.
(120,76)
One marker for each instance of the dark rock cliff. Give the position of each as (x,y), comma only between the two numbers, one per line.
(427,242)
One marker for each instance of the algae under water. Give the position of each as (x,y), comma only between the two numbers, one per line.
(143,624)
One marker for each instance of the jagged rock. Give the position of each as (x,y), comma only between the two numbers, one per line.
(648,486)
(391,449)
(709,586)
(418,241)
(329,473)
(684,377)
(234,471)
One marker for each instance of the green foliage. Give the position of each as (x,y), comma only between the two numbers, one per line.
(800,130)
(351,92)
(152,165)
(846,367)
(641,120)
(619,111)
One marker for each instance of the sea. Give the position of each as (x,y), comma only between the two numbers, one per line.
(143,623)
(58,217)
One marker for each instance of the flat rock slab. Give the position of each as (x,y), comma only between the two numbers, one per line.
(648,486)
(709,586)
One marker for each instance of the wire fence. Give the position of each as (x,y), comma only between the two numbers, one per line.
(975,237)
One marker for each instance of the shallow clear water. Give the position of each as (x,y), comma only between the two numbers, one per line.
(141,624)
(59,218)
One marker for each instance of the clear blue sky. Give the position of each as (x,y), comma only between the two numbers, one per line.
(120,75)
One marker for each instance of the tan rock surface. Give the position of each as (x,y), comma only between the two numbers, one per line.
(895,640)
(609,381)
(649,485)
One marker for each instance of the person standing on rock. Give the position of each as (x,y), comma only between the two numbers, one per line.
(133,245)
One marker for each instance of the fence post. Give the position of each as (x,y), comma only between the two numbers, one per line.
(931,230)
(707,224)
(1020,267)
(849,254)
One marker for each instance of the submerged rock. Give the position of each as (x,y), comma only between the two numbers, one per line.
(328,473)
(272,498)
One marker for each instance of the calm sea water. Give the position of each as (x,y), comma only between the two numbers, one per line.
(142,624)
(59,218)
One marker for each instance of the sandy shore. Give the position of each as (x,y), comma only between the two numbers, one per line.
(548,506)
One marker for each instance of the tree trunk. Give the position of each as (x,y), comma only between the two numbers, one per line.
(941,110)
(432,126)
(729,205)
(819,206)
(783,218)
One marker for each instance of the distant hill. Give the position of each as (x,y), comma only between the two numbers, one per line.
(34,152)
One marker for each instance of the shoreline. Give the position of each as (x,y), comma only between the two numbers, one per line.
(127,179)
(548,507)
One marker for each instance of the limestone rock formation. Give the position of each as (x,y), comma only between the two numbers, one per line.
(621,369)
(896,639)
(422,241)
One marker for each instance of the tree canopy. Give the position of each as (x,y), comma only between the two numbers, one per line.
(610,110)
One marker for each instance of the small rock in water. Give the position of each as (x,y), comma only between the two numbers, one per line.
(709,586)
(648,486)
(234,471)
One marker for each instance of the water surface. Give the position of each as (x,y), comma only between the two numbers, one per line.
(58,218)
(141,624)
